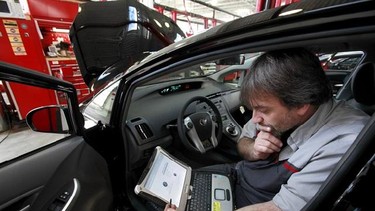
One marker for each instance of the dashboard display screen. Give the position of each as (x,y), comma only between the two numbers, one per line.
(180,87)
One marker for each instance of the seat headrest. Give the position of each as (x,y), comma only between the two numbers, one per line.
(363,84)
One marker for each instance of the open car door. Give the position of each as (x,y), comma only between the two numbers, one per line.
(53,169)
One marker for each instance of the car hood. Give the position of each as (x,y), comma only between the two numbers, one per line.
(117,33)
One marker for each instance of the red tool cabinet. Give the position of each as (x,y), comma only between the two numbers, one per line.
(24,41)
(68,70)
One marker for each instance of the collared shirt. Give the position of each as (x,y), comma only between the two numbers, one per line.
(313,150)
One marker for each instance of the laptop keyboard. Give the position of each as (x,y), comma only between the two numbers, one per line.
(201,194)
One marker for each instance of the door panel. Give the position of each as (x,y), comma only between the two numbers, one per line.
(49,173)
(52,169)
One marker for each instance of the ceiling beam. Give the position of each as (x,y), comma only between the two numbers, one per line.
(215,8)
(170,9)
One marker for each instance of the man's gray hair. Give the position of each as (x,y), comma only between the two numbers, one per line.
(295,76)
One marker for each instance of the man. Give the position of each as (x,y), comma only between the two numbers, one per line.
(297,133)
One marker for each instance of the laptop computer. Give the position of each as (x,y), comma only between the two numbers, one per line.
(167,179)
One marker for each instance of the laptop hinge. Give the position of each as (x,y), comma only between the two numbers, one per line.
(189,189)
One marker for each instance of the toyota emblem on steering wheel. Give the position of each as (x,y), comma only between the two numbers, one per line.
(203,122)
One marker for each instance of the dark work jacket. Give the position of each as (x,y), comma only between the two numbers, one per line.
(259,181)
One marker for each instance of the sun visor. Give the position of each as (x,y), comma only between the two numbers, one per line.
(118,32)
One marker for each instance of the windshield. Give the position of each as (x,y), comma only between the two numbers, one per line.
(208,68)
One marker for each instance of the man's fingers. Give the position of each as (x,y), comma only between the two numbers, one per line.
(266,147)
(269,139)
(264,128)
(169,207)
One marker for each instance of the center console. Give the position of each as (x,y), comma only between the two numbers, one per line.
(230,127)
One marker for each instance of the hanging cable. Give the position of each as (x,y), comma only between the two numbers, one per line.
(188,19)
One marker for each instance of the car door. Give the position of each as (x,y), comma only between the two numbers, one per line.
(44,170)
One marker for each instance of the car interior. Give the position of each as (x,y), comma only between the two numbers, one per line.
(346,86)
(158,119)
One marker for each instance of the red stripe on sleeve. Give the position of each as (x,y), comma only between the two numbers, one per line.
(290,167)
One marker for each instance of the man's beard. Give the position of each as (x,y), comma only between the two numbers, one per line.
(282,135)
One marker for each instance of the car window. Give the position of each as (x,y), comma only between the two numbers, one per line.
(234,78)
(339,65)
(16,138)
(347,60)
(100,107)
(233,75)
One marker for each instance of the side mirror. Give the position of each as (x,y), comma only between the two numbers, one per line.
(49,119)
(5,120)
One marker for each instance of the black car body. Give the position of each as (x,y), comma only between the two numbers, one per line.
(99,166)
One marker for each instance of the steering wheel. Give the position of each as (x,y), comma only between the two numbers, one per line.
(200,131)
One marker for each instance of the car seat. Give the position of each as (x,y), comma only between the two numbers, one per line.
(359,89)
(363,88)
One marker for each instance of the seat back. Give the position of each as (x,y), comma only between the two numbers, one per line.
(363,87)
(359,89)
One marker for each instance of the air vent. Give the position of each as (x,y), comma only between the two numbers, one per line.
(144,131)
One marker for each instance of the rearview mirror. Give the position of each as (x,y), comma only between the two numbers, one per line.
(49,119)
(234,60)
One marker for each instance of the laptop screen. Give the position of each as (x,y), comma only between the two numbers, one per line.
(166,178)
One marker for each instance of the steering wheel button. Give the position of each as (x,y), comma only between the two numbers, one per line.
(189,125)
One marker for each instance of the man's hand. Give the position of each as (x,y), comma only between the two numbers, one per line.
(170,207)
(265,144)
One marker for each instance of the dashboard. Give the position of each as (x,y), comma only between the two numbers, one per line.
(180,87)
(154,109)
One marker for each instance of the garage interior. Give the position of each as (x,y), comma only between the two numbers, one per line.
(34,34)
